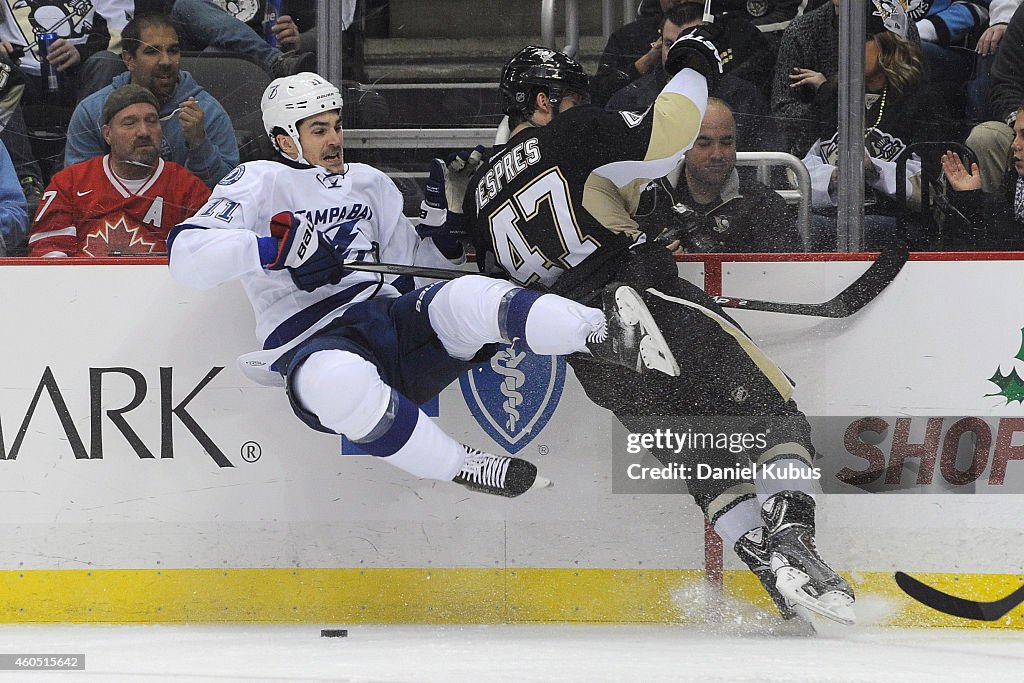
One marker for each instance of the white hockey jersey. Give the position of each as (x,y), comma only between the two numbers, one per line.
(360,211)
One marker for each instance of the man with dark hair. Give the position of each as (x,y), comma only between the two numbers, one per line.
(737,85)
(234,28)
(197,132)
(540,211)
(990,140)
(635,49)
(359,352)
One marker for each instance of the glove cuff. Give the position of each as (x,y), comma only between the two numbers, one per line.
(268,248)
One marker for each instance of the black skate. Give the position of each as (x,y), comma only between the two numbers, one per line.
(498,475)
(782,554)
(631,338)
(752,548)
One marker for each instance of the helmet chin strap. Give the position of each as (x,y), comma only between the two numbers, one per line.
(299,159)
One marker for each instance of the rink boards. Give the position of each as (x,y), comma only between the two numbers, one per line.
(145,479)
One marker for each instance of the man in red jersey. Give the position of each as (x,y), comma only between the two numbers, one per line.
(122,203)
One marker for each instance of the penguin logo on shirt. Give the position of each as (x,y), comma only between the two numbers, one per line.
(243,10)
(757,8)
(63,17)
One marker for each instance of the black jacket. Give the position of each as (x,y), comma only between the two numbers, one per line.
(991,222)
(751,218)
(746,53)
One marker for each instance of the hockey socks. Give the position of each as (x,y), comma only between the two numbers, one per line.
(472,311)
(738,520)
(411,441)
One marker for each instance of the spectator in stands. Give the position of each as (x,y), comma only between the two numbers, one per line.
(635,49)
(990,140)
(743,97)
(996,219)
(12,86)
(632,51)
(120,203)
(234,27)
(808,55)
(899,112)
(13,216)
(947,29)
(701,206)
(81,31)
(980,87)
(197,132)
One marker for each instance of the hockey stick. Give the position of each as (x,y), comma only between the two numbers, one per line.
(958,607)
(859,294)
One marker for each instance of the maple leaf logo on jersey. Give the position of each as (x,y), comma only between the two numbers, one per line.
(116,240)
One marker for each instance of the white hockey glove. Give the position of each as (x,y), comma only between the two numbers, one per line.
(441,209)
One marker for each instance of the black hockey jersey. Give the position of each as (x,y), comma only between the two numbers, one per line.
(554,195)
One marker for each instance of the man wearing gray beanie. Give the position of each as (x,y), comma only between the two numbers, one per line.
(121,203)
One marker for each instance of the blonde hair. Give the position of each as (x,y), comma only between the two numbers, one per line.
(901,60)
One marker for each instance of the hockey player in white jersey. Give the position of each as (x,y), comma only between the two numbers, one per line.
(356,354)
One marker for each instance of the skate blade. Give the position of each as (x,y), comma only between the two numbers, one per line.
(833,605)
(541,483)
(654,351)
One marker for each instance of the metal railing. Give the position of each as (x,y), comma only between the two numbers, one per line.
(572,25)
(464,138)
(572,22)
(801,196)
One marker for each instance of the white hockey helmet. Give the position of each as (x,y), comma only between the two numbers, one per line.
(290,99)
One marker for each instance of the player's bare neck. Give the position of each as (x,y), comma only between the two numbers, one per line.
(521,127)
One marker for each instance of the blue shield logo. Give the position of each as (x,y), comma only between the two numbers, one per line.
(514,397)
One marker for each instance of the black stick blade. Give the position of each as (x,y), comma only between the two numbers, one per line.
(958,607)
(871,283)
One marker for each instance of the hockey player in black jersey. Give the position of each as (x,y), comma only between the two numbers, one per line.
(552,209)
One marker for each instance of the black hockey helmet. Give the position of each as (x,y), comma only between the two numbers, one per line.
(534,69)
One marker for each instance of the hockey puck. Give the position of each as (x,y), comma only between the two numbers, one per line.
(333,633)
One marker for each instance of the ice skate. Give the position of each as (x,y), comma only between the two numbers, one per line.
(498,475)
(631,337)
(752,548)
(782,554)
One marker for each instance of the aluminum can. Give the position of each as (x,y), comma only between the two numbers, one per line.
(269,19)
(53,80)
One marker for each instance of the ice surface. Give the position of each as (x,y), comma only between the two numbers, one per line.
(518,653)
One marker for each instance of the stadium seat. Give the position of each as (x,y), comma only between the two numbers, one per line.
(935,225)
(238,84)
(47,128)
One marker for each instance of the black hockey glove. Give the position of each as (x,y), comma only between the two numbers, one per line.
(309,256)
(441,216)
(695,49)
